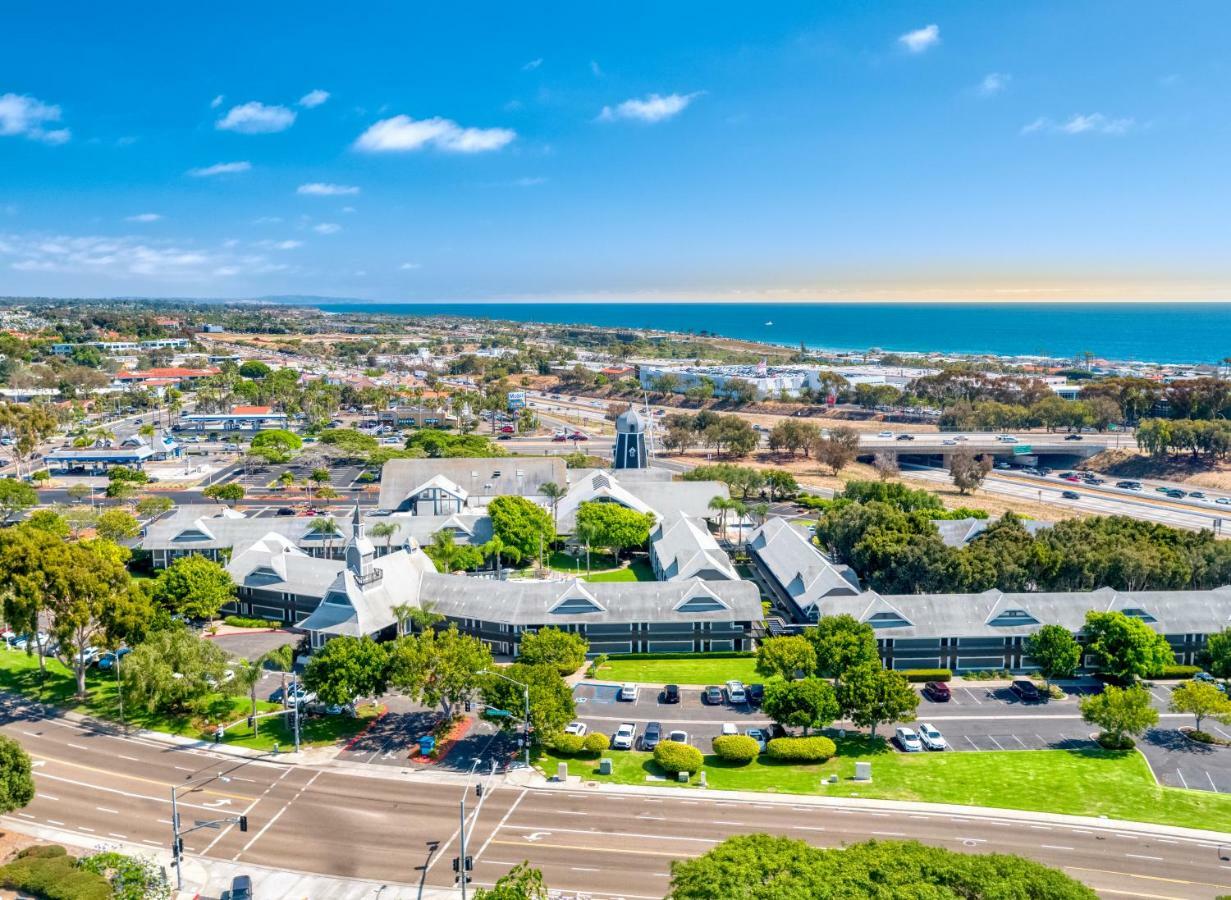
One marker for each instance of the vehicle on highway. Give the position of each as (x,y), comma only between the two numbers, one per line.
(559,438)
(712,695)
(736,693)
(1197,495)
(1128,485)
(1073,437)
(907,740)
(670,694)
(756,694)
(107,660)
(651,736)
(904,437)
(759,736)
(949,442)
(1070,495)
(680,737)
(625,736)
(729,728)
(577,728)
(1002,466)
(628,691)
(241,888)
(578,436)
(931,738)
(937,691)
(1026,691)
(885,434)
(1175,493)
(1007,439)
(1223,501)
(961,438)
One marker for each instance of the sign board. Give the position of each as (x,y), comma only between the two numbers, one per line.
(517,399)
(1022,450)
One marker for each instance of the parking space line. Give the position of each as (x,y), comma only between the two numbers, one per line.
(1180,775)
(994,741)
(969,741)
(971,695)
(1213,786)
(1020,741)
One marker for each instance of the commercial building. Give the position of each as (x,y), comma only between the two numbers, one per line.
(240,418)
(111,348)
(132,452)
(772,380)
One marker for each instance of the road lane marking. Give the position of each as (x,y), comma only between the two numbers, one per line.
(807,828)
(77,746)
(588,849)
(110,790)
(25,815)
(629,834)
(148,841)
(109,774)
(47,797)
(1213,787)
(735,824)
(129,758)
(1150,877)
(107,809)
(1181,777)
(256,837)
(55,821)
(223,833)
(122,837)
(583,869)
(1143,856)
(500,824)
(889,833)
(1054,847)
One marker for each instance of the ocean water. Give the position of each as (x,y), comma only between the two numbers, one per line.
(1152,332)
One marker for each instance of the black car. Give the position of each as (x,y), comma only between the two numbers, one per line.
(276,696)
(904,437)
(241,888)
(1073,437)
(650,737)
(671,694)
(755,693)
(284,511)
(712,695)
(1070,495)
(1026,691)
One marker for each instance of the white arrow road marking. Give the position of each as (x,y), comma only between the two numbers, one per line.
(537,835)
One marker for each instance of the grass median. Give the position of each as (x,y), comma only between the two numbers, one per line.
(19,674)
(1091,782)
(686,670)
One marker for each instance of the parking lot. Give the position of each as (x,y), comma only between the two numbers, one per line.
(977,718)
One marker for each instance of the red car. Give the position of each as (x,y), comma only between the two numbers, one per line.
(937,691)
(559,438)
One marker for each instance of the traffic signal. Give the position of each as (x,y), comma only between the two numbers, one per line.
(251,721)
(469,863)
(469,706)
(243,823)
(457,864)
(177,847)
(478,789)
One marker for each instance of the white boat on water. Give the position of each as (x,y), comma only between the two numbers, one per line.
(769,323)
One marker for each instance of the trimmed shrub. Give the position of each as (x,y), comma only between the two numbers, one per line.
(801,749)
(245,622)
(736,748)
(1203,736)
(569,743)
(596,742)
(676,757)
(1178,672)
(1111,742)
(919,676)
(49,873)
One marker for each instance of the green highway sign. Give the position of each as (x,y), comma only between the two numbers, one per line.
(498,713)
(1022,450)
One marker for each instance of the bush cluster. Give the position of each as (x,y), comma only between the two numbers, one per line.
(919,676)
(245,622)
(802,749)
(1111,742)
(596,742)
(568,744)
(675,757)
(736,748)
(1178,672)
(48,872)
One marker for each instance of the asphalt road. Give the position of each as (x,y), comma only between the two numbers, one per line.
(605,843)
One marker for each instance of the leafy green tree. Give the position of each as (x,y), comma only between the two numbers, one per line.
(255,369)
(385,530)
(1201,699)
(551,699)
(1126,647)
(15,496)
(171,672)
(968,470)
(50,521)
(786,657)
(612,526)
(765,867)
(808,703)
(116,525)
(869,695)
(520,883)
(79,492)
(1055,651)
(842,643)
(346,668)
(439,668)
(521,524)
(153,507)
(837,450)
(1217,653)
(231,492)
(1120,712)
(129,878)
(350,443)
(553,647)
(275,445)
(449,556)
(194,586)
(16,780)
(553,493)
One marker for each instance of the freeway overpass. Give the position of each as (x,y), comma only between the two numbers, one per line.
(1029,448)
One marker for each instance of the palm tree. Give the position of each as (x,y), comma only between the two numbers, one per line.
(326,527)
(385,530)
(741,510)
(720,505)
(554,494)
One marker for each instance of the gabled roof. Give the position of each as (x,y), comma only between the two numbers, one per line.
(800,569)
(575,599)
(684,548)
(440,483)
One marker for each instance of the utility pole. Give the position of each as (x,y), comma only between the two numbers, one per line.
(119,690)
(461,868)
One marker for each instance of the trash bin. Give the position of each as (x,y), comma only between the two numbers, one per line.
(427,745)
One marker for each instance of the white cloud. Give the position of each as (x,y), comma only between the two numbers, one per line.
(143,217)
(654,108)
(220,169)
(529,181)
(402,134)
(29,117)
(993,83)
(267,220)
(532,65)
(1094,123)
(327,228)
(408,266)
(313,99)
(256,118)
(348,209)
(216,102)
(595,70)
(324,189)
(921,39)
(287,245)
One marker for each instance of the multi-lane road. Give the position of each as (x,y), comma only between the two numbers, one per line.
(398,826)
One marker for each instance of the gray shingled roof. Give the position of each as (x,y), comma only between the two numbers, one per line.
(799,567)
(480,478)
(959,532)
(683,548)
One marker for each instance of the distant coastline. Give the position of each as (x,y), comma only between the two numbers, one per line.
(1189,332)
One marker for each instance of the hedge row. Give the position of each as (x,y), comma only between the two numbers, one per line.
(1178,672)
(801,749)
(736,748)
(571,744)
(48,872)
(918,676)
(675,757)
(245,622)
(715,654)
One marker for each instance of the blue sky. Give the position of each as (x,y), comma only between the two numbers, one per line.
(559,150)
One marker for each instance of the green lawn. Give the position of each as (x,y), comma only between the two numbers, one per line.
(686,670)
(19,673)
(637,570)
(1079,782)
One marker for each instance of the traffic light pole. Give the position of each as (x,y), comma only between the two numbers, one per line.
(177,834)
(462,873)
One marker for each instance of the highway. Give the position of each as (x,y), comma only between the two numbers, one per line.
(609,843)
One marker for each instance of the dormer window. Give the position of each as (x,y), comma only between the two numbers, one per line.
(1137,612)
(1010,617)
(887,620)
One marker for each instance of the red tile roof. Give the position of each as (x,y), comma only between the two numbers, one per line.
(251,410)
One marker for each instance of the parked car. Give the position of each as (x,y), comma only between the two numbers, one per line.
(937,691)
(759,736)
(671,694)
(736,693)
(680,737)
(108,660)
(712,696)
(1026,691)
(628,691)
(241,888)
(577,728)
(729,728)
(624,737)
(756,694)
(907,740)
(650,737)
(284,511)
(931,738)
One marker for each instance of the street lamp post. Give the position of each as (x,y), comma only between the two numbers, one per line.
(525,712)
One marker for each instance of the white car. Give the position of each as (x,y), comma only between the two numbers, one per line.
(680,737)
(759,736)
(908,741)
(625,737)
(577,728)
(885,434)
(931,738)
(949,442)
(729,728)
(1007,439)
(736,692)
(628,692)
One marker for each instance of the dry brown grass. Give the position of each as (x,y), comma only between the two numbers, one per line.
(1183,468)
